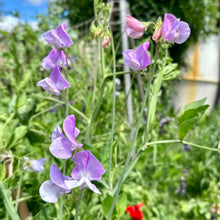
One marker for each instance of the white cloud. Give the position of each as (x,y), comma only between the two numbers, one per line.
(33,24)
(36,2)
(8,23)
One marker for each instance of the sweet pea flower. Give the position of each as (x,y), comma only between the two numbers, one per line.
(55,83)
(87,169)
(133,27)
(135,212)
(55,58)
(61,146)
(50,190)
(58,37)
(137,59)
(174,30)
(34,165)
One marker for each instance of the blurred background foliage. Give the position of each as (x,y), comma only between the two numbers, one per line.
(27,118)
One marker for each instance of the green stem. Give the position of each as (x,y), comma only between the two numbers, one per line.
(78,204)
(94,113)
(200,146)
(113,114)
(109,75)
(5,196)
(102,61)
(44,111)
(66,114)
(178,141)
(128,157)
(9,120)
(160,142)
(18,190)
(62,197)
(63,103)
(151,107)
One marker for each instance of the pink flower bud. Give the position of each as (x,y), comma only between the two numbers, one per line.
(106,41)
(133,27)
(158,30)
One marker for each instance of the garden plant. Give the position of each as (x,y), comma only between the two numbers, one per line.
(67,150)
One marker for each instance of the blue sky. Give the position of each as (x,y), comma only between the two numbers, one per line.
(28,9)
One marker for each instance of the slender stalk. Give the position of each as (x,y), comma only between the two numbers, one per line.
(113,114)
(44,111)
(103,61)
(66,114)
(152,71)
(5,196)
(128,157)
(95,113)
(9,120)
(78,205)
(63,103)
(18,190)
(160,142)
(200,146)
(109,75)
(178,141)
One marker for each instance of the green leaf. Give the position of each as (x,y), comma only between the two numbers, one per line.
(106,205)
(121,205)
(193,105)
(190,116)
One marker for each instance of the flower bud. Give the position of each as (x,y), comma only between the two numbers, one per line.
(96,30)
(106,41)
(158,30)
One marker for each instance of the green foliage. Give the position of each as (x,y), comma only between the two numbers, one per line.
(190,116)
(28,115)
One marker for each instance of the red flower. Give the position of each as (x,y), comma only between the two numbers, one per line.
(135,212)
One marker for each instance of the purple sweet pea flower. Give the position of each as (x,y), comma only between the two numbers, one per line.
(133,27)
(55,83)
(50,190)
(61,146)
(87,169)
(174,30)
(34,165)
(54,58)
(58,37)
(137,59)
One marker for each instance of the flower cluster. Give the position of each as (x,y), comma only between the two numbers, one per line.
(55,60)
(87,167)
(172,29)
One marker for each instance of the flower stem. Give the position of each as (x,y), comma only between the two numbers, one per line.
(123,73)
(18,190)
(63,103)
(121,180)
(78,204)
(152,102)
(178,141)
(113,114)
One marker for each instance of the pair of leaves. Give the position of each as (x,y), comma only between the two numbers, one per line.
(189,116)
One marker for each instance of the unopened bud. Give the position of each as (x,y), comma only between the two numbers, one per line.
(106,41)
(158,30)
(96,30)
